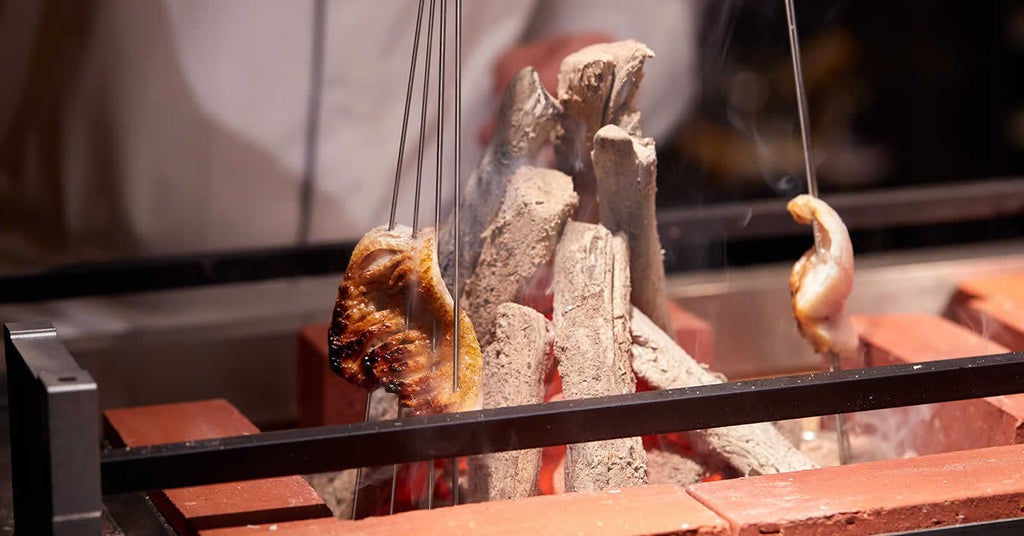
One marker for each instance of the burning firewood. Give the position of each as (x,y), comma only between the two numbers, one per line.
(596,86)
(515,365)
(519,241)
(592,347)
(750,449)
(626,167)
(526,119)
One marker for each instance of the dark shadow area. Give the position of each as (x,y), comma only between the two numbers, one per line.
(901,94)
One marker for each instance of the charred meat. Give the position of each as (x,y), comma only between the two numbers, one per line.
(393,325)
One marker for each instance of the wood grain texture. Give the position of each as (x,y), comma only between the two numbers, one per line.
(625,167)
(751,449)
(592,348)
(597,86)
(515,365)
(526,119)
(519,241)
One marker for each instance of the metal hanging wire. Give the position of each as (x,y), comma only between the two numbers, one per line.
(440,21)
(812,189)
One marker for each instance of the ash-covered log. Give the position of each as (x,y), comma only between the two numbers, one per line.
(625,167)
(526,119)
(597,86)
(751,449)
(592,348)
(519,241)
(515,365)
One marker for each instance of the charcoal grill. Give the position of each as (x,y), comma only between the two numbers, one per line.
(61,472)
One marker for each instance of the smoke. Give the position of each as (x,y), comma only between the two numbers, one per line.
(748,84)
(892,433)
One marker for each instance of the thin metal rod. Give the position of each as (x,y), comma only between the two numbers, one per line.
(433,366)
(455,480)
(842,439)
(419,173)
(439,164)
(394,195)
(316,82)
(458,191)
(812,189)
(359,472)
(430,485)
(801,99)
(439,181)
(405,114)
(423,121)
(455,222)
(394,485)
(957,205)
(315,450)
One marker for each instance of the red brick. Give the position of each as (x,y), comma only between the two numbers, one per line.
(646,510)
(987,304)
(993,318)
(949,426)
(913,338)
(869,498)
(191,509)
(1008,285)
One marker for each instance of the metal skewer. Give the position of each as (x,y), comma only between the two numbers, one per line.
(801,100)
(394,201)
(812,189)
(442,38)
(843,441)
(455,221)
(416,195)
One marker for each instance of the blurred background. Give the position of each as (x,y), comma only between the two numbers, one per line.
(902,95)
(253,142)
(132,130)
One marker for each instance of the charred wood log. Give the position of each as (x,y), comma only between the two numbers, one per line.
(596,86)
(519,241)
(625,167)
(526,119)
(592,348)
(750,449)
(515,365)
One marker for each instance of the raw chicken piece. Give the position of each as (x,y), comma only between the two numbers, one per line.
(822,280)
(393,325)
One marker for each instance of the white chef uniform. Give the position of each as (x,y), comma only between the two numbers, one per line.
(185,126)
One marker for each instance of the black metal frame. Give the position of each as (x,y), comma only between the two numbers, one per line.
(55,435)
(162,273)
(58,466)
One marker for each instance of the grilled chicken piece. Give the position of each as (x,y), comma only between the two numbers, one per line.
(393,325)
(822,280)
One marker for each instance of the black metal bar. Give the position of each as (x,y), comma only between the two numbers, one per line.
(1002,527)
(870,210)
(679,228)
(161,273)
(55,454)
(330,448)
